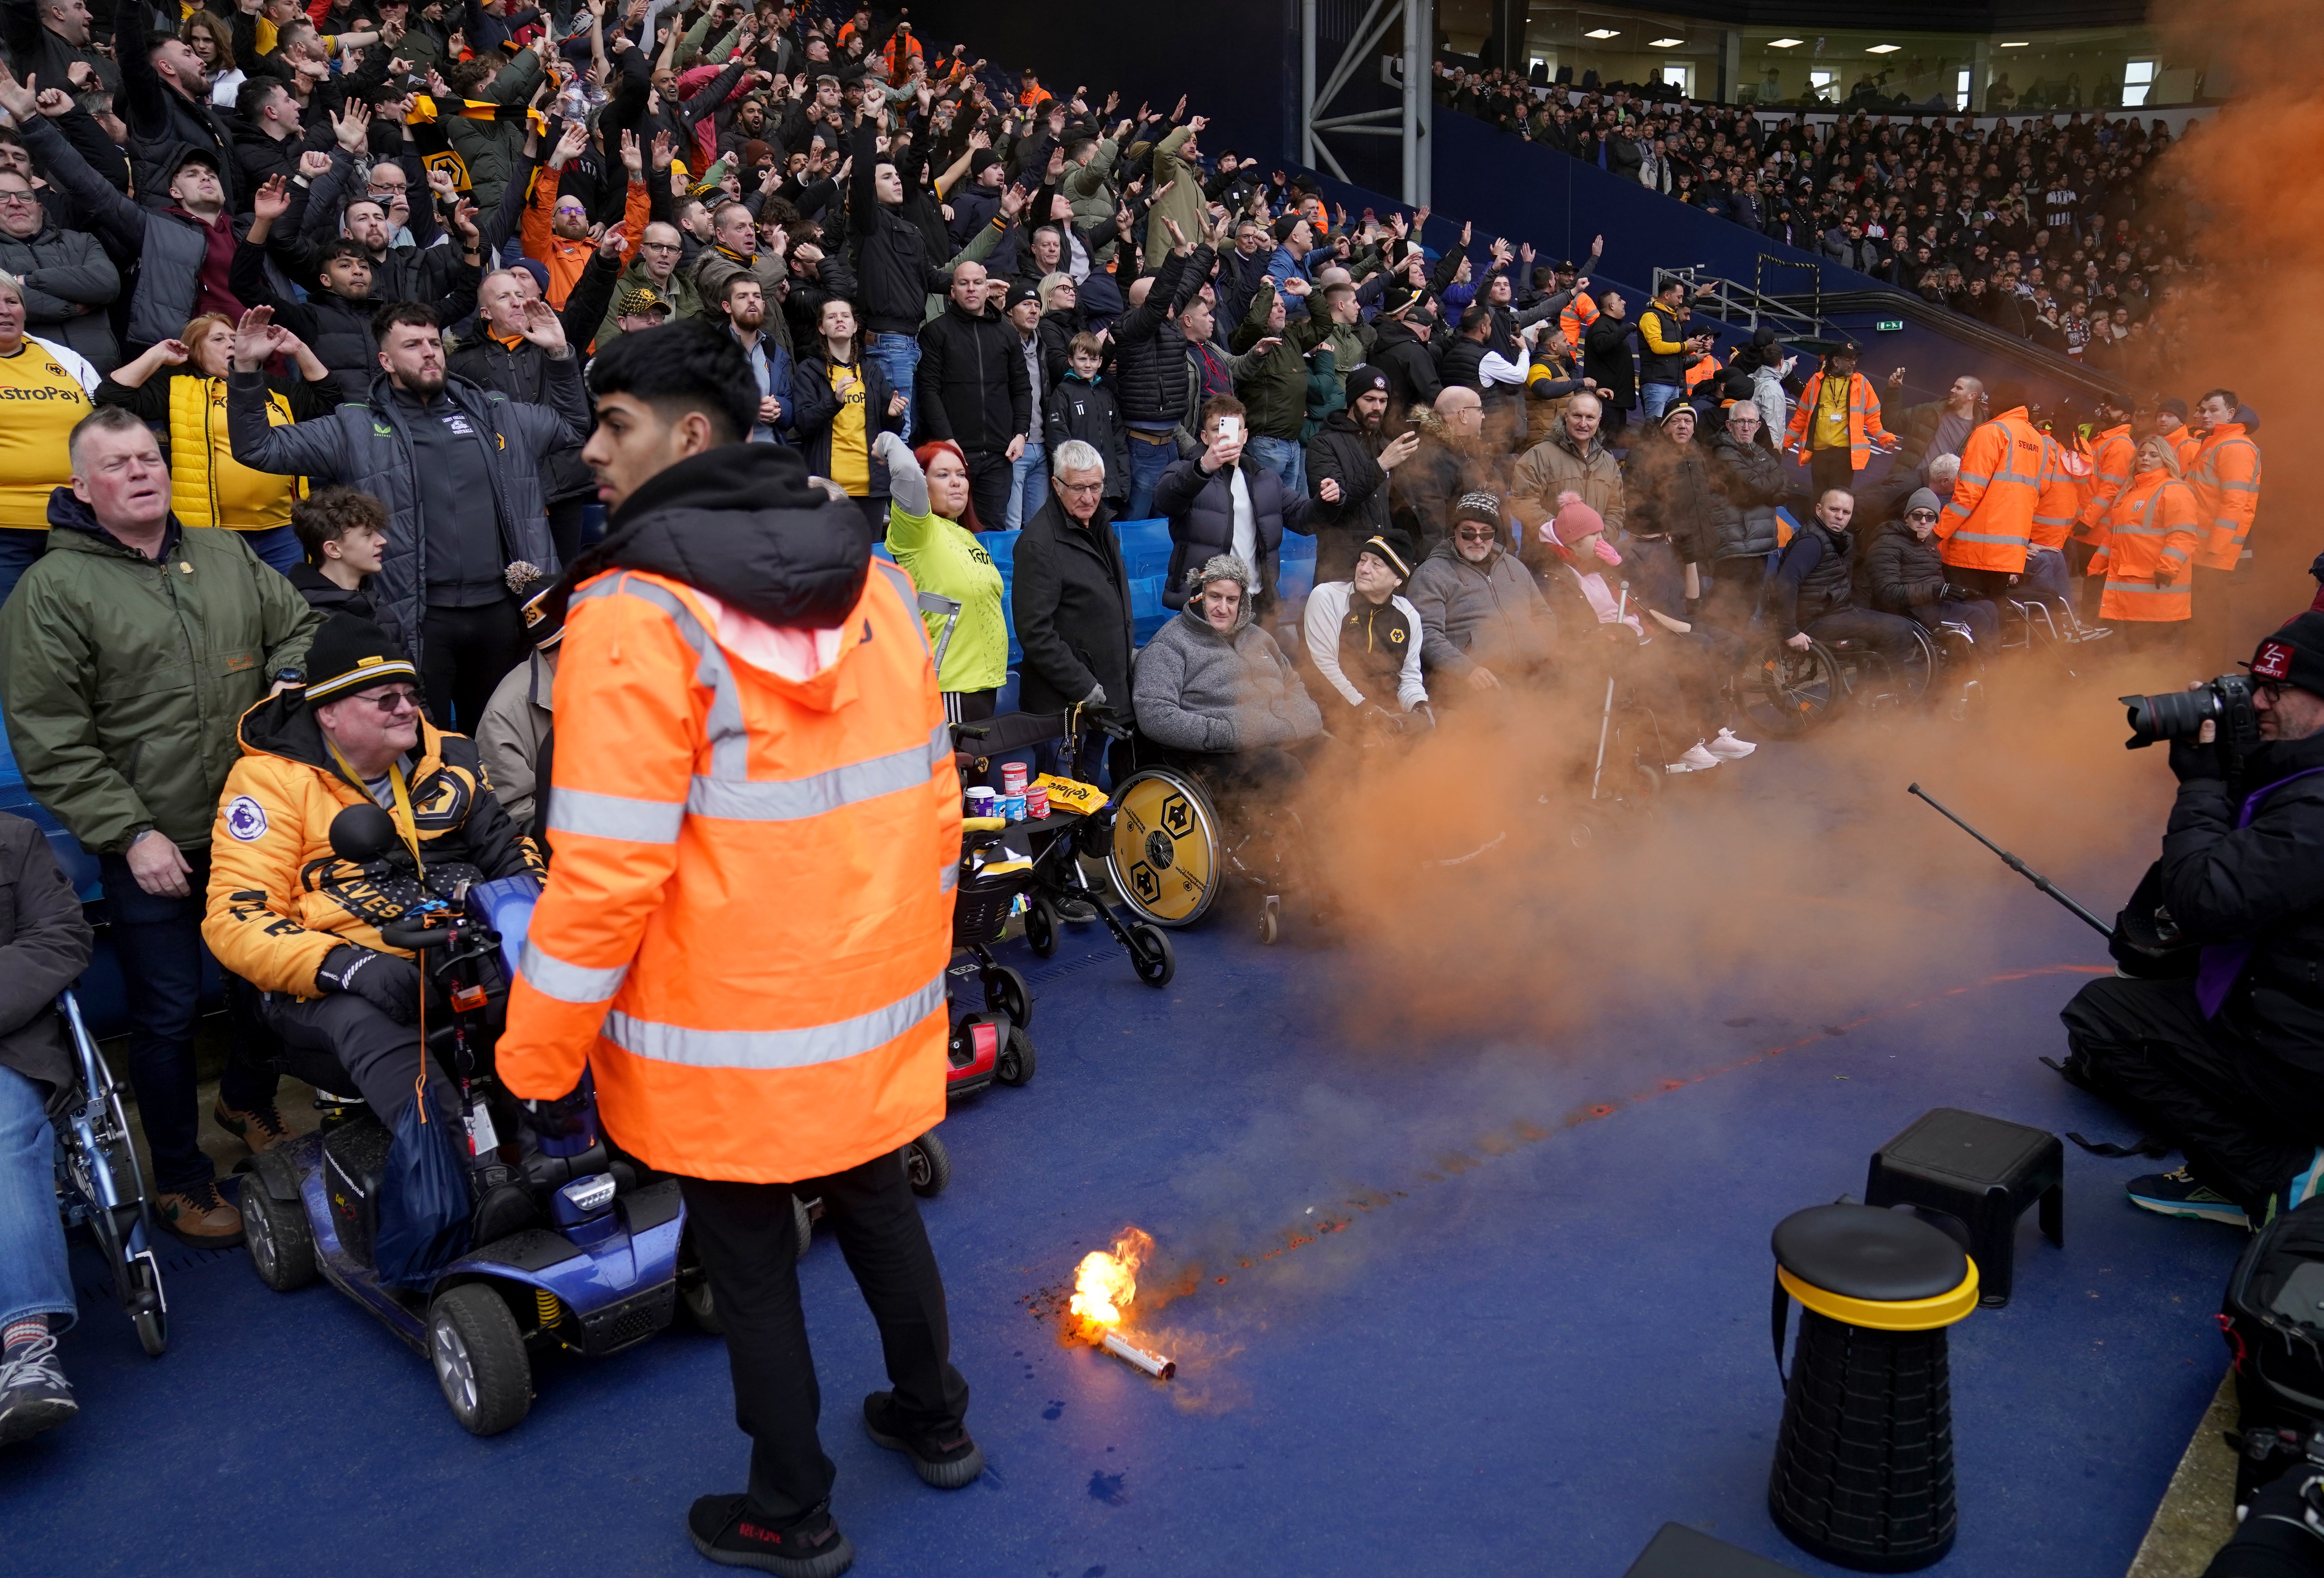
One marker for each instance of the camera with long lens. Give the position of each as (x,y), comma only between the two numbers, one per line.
(2179,714)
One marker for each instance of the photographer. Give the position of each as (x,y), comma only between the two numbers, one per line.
(2226,1060)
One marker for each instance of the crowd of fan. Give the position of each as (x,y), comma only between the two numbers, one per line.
(347,264)
(2058,232)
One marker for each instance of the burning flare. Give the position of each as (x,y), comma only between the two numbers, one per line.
(1106,1283)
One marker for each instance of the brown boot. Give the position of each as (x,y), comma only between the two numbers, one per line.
(201,1217)
(258,1129)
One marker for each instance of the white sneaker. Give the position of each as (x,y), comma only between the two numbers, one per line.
(1696,760)
(1728,748)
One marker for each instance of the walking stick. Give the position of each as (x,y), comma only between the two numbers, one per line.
(1605,719)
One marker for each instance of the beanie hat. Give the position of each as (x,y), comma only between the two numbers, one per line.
(351,655)
(1018,293)
(1575,519)
(1284,227)
(1363,380)
(2175,406)
(536,268)
(1922,499)
(2294,655)
(983,160)
(544,627)
(1393,549)
(1680,408)
(1482,507)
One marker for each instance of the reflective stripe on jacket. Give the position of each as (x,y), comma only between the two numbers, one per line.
(2153,520)
(2114,458)
(1864,428)
(2007,467)
(2225,475)
(749,917)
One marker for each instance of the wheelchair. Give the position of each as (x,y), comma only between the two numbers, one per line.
(101,1186)
(1788,693)
(574,1245)
(1178,836)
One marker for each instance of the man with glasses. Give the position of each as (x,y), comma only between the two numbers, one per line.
(67,280)
(1906,576)
(126,653)
(655,268)
(301,925)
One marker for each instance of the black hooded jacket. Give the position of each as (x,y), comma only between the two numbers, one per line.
(2261,885)
(743,523)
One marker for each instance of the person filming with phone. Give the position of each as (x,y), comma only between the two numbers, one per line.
(1223,501)
(2214,1038)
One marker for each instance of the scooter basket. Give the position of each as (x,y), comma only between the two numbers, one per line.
(980,909)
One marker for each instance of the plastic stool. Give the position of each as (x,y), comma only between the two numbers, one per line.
(1983,1171)
(1864,1463)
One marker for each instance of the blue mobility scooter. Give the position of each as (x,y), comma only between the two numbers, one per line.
(572,1244)
(100,1186)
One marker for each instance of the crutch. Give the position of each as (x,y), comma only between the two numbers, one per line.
(1605,719)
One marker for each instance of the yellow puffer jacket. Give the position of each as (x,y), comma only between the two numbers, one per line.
(280,900)
(208,485)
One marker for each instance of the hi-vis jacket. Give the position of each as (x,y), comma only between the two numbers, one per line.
(1864,428)
(2113,457)
(2225,475)
(2013,492)
(756,828)
(280,900)
(2152,523)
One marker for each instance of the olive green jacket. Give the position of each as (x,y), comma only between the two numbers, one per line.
(124,678)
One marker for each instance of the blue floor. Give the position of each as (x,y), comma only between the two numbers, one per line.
(1490,1301)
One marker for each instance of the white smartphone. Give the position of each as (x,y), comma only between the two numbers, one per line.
(1231,427)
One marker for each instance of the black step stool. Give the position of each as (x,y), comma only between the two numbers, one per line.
(1984,1172)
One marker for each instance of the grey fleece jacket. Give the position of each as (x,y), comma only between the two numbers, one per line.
(1198,689)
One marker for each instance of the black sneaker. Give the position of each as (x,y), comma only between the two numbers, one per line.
(33,1396)
(724,1530)
(1073,911)
(947,1461)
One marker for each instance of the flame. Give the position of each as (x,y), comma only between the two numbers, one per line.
(1105,1284)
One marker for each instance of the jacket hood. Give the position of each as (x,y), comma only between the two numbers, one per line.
(284,726)
(1565,441)
(742,523)
(1192,614)
(68,513)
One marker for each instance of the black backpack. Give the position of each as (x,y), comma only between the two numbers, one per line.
(2273,1317)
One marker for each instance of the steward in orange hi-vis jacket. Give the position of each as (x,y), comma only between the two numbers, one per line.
(755,823)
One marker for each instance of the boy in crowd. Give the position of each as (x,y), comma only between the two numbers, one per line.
(1080,407)
(345,533)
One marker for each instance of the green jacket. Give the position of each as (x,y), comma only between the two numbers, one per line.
(1090,188)
(1184,201)
(125,680)
(1275,391)
(492,149)
(685,301)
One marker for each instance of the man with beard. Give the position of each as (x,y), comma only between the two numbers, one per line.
(1451,460)
(459,469)
(744,305)
(734,250)
(1350,461)
(1574,461)
(164,101)
(556,225)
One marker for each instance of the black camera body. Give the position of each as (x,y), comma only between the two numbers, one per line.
(2179,714)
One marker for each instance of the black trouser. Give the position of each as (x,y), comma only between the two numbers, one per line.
(2247,1121)
(748,1245)
(466,652)
(380,1056)
(159,942)
(1829,469)
(989,477)
(1989,585)
(1888,635)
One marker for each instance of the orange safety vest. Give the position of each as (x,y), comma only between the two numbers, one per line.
(2153,520)
(2225,475)
(1578,314)
(2009,469)
(901,62)
(1864,427)
(2113,458)
(745,932)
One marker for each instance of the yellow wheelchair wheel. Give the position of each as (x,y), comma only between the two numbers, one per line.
(1165,857)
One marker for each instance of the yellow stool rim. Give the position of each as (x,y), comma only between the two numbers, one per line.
(1912,1314)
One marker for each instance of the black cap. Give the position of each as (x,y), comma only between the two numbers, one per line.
(1285,226)
(192,155)
(2294,655)
(351,655)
